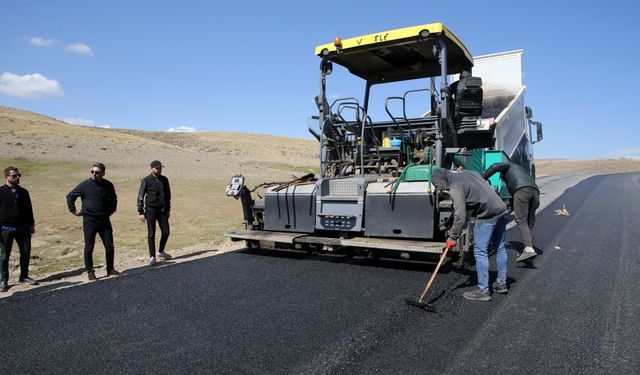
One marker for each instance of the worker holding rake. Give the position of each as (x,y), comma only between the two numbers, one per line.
(470,193)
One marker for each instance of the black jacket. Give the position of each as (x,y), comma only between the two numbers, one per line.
(98,198)
(154,193)
(513,175)
(12,213)
(469,192)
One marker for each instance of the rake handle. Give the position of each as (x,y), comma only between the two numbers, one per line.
(433,276)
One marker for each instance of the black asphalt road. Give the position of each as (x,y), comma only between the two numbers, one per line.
(574,311)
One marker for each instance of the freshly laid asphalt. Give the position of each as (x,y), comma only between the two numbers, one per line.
(573,310)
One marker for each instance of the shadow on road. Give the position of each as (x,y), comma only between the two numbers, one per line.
(57,280)
(194,254)
(64,274)
(38,290)
(427,265)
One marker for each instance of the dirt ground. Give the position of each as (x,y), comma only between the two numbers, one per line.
(549,167)
(54,157)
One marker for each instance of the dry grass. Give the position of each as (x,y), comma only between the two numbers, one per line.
(55,156)
(548,167)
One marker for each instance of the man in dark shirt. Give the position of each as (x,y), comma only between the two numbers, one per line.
(154,205)
(526,199)
(470,193)
(16,223)
(99,202)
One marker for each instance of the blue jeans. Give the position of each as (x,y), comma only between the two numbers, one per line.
(485,233)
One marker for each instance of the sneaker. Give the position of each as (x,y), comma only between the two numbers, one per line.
(113,273)
(28,280)
(500,288)
(3,286)
(528,252)
(91,276)
(152,261)
(477,295)
(165,256)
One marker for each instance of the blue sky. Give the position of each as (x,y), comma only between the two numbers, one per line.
(250,66)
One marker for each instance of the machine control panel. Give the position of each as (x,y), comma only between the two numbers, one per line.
(236,184)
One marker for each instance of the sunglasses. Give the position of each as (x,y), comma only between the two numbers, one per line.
(15,175)
(95,172)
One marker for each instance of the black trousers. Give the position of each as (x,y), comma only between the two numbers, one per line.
(22,237)
(154,215)
(525,202)
(101,226)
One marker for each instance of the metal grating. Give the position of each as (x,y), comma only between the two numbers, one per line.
(344,187)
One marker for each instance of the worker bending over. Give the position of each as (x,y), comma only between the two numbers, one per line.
(470,193)
(526,199)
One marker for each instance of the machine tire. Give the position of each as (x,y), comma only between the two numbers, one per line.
(251,244)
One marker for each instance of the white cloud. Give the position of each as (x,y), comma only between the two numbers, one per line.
(79,48)
(632,152)
(83,122)
(182,129)
(29,85)
(79,121)
(42,42)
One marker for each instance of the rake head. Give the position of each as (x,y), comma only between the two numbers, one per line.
(421,305)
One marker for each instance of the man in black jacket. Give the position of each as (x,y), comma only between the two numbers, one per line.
(471,194)
(526,199)
(16,223)
(99,202)
(154,205)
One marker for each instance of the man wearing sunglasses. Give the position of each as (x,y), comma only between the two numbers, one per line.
(99,202)
(16,223)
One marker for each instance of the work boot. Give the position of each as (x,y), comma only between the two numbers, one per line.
(528,252)
(113,273)
(165,256)
(152,261)
(91,276)
(477,295)
(500,288)
(3,286)
(28,280)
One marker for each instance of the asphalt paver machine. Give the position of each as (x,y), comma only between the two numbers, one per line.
(373,192)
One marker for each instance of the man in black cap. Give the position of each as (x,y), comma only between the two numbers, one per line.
(154,205)
(16,223)
(99,202)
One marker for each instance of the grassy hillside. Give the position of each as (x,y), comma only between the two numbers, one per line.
(546,167)
(55,156)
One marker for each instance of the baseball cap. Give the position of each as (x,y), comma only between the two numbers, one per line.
(156,164)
